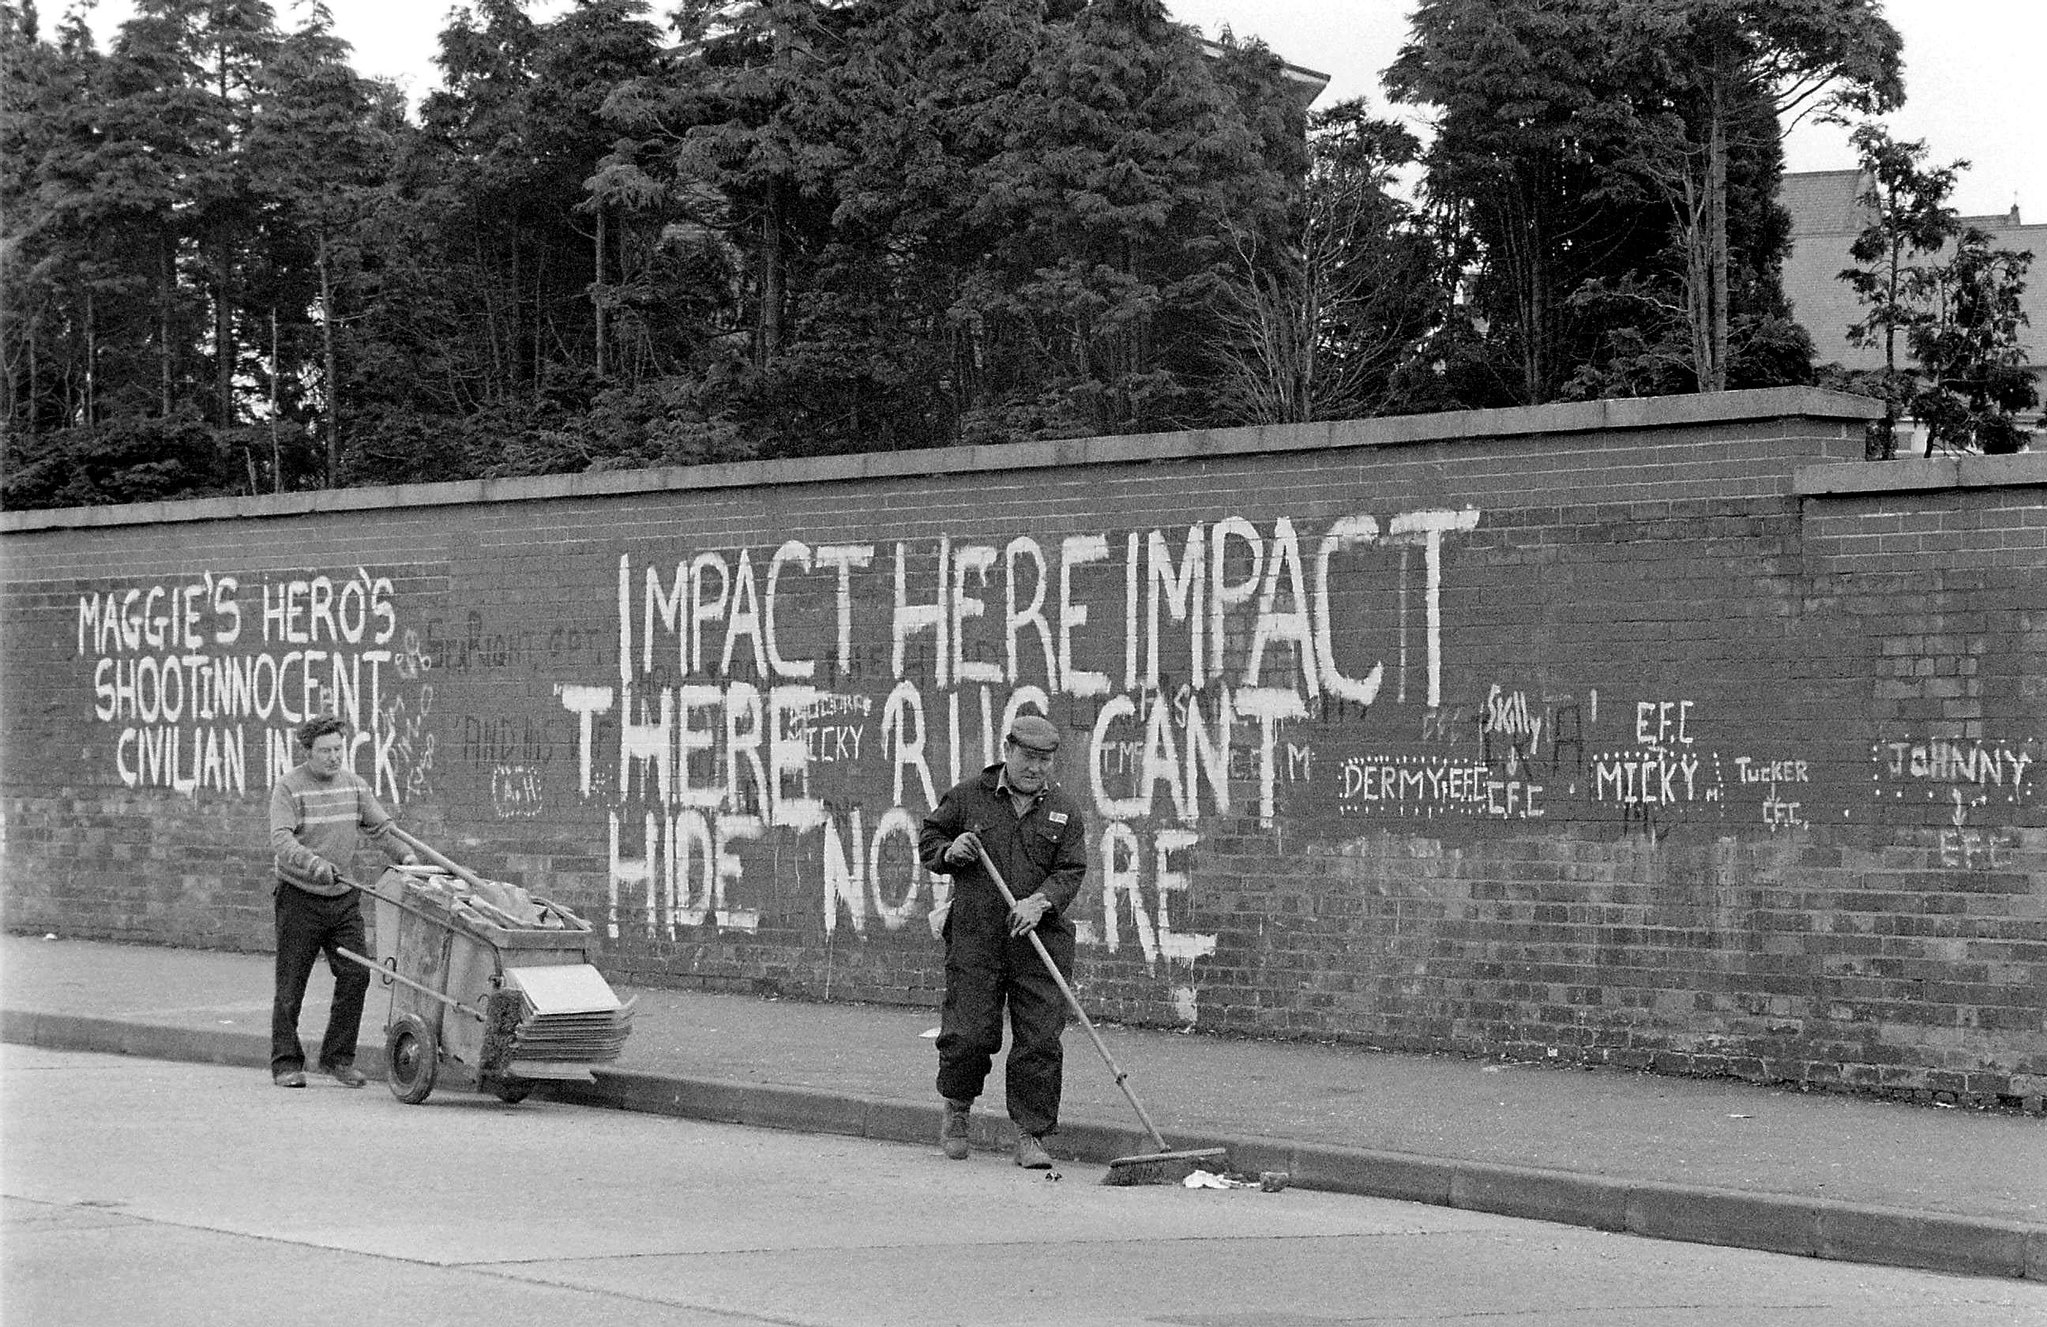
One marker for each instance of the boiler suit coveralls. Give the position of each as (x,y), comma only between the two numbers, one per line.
(1042,851)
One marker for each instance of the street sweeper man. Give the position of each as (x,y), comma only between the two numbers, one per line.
(1032,830)
(319,811)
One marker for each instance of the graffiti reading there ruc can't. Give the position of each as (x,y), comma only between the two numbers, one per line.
(1182,660)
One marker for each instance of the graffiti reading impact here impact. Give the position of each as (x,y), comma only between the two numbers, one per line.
(723,716)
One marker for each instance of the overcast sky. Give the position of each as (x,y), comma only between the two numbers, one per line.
(1975,71)
(1975,81)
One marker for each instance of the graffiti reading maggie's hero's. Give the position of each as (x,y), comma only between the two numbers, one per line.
(836,690)
(190,675)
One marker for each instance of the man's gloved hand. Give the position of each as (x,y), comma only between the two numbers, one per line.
(1028,912)
(966,848)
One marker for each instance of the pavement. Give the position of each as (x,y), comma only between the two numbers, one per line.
(1708,1161)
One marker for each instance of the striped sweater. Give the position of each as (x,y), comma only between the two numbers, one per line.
(316,827)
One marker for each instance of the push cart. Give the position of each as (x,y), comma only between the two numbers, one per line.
(504,1005)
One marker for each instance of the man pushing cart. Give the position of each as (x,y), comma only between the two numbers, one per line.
(484,978)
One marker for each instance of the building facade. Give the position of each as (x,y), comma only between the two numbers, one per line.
(1827,215)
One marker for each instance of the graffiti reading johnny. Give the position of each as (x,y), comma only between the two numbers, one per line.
(749,680)
(191,675)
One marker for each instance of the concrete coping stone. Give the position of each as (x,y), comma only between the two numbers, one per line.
(1919,474)
(1696,411)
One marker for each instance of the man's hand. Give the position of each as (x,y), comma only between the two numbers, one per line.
(966,848)
(1028,912)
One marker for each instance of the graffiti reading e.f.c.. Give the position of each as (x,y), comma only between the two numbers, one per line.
(1967,780)
(747,702)
(192,674)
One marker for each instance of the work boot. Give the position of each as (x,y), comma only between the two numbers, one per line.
(953,1129)
(288,1078)
(347,1075)
(1031,1153)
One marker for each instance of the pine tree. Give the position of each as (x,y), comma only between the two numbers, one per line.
(319,148)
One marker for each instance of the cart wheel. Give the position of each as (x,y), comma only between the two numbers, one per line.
(412,1059)
(511,1091)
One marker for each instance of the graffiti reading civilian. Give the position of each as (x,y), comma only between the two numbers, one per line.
(190,675)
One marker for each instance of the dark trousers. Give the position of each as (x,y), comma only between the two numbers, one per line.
(307,926)
(982,976)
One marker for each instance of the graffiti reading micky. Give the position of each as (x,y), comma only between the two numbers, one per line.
(1032,830)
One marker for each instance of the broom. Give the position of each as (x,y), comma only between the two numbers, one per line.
(1164,1166)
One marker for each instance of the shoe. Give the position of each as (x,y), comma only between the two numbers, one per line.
(953,1130)
(347,1075)
(1031,1154)
(288,1078)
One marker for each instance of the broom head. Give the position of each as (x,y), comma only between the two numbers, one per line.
(1166,1167)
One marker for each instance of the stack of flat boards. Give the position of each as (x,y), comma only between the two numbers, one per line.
(569,1019)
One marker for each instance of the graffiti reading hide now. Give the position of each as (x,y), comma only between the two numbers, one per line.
(747,702)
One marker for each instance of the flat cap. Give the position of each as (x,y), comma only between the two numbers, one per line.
(1034,732)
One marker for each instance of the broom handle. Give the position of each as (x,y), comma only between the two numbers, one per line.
(1073,1003)
(471,878)
(462,873)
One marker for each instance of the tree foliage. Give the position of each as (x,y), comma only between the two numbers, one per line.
(1976,375)
(1609,169)
(1515,176)
(1724,75)
(1960,315)
(1909,220)
(163,211)
(761,228)
(950,221)
(780,227)
(1317,318)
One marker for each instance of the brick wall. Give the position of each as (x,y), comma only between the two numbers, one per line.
(1656,733)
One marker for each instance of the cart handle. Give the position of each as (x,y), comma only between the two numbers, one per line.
(421,987)
(399,904)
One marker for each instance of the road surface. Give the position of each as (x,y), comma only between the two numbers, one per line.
(143,1192)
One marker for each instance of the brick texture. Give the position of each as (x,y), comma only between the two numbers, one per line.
(1585,737)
